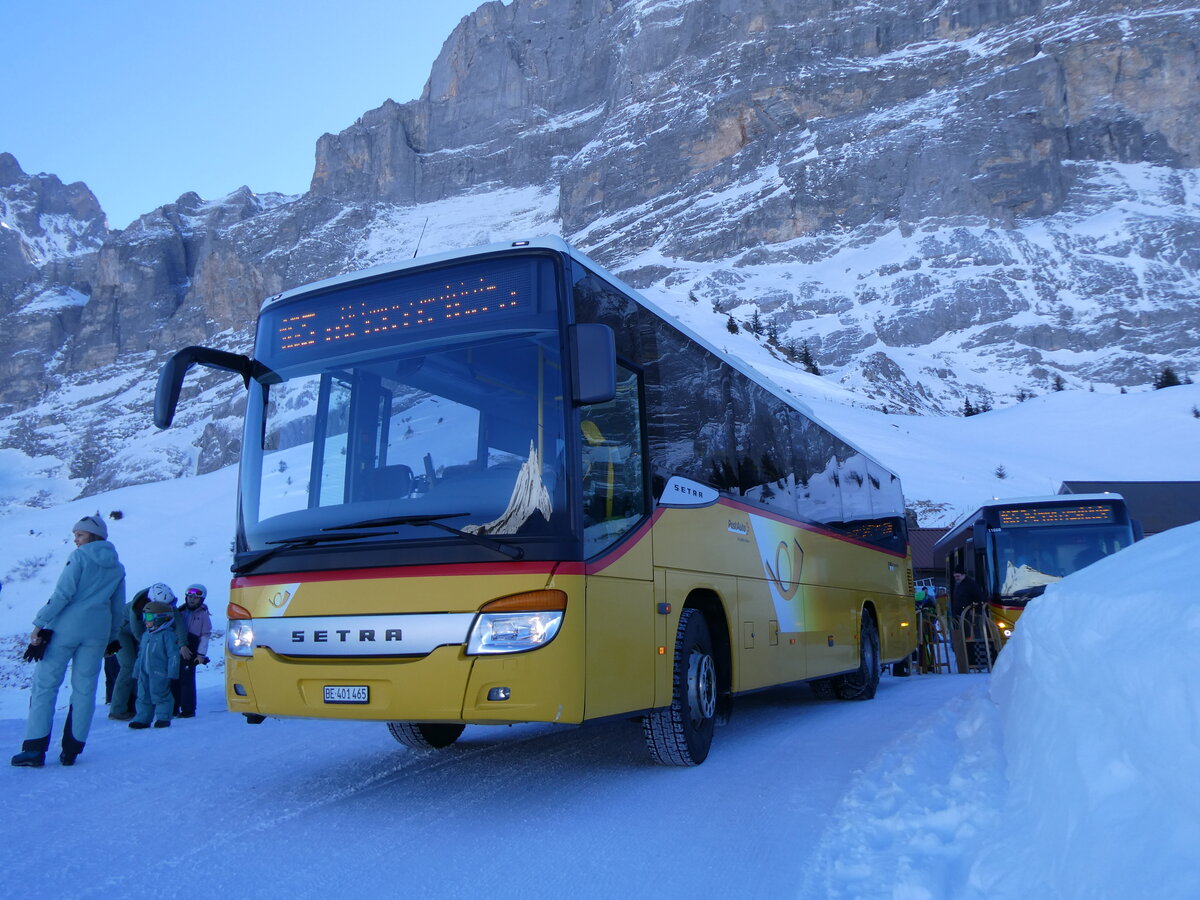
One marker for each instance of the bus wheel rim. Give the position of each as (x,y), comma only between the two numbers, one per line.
(702,687)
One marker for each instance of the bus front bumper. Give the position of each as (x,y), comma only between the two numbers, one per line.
(444,686)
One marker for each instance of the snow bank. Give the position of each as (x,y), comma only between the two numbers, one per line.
(1099,697)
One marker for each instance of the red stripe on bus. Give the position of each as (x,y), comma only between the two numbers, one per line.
(603,562)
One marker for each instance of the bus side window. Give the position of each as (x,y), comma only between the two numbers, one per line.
(613,490)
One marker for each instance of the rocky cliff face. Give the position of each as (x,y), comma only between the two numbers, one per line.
(943,199)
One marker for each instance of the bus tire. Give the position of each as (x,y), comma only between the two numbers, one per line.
(425,735)
(861,684)
(681,734)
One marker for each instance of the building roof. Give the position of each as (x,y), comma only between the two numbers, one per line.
(921,541)
(1158,505)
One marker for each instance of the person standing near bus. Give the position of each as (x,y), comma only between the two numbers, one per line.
(77,626)
(194,652)
(158,658)
(965,595)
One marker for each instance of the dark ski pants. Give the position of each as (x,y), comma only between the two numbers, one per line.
(183,688)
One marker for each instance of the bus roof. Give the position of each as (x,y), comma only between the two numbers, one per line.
(552,242)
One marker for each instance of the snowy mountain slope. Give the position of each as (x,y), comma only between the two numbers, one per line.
(959,201)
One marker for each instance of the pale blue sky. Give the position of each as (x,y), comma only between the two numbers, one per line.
(146,99)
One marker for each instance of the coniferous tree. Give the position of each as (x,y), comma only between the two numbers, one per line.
(806,360)
(969,408)
(754,326)
(731,326)
(1060,383)
(1167,379)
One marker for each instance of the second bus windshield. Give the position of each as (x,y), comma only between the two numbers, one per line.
(1028,557)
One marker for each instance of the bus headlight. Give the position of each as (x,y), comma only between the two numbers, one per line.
(517,623)
(239,639)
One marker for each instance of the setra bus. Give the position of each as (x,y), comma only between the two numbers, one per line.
(499,486)
(1014,548)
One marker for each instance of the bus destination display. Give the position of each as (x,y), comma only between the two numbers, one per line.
(401,307)
(1091,513)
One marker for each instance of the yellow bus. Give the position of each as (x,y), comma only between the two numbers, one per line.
(499,486)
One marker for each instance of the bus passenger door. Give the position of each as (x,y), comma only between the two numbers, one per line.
(621,612)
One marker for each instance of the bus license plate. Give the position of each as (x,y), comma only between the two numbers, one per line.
(347,693)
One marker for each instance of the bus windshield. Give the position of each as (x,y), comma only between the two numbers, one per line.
(1030,557)
(464,427)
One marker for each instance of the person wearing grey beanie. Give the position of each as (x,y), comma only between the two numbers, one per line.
(82,619)
(93,525)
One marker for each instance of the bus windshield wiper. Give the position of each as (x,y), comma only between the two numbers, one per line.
(435,521)
(306,540)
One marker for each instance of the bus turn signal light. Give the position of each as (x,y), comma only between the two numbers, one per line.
(529,601)
(233,611)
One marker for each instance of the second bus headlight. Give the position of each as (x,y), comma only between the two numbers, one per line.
(517,623)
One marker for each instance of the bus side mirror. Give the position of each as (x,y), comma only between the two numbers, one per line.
(170,379)
(979,535)
(594,364)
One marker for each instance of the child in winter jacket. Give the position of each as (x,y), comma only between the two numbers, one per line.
(198,628)
(157,660)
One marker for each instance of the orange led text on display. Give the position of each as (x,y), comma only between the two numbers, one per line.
(351,319)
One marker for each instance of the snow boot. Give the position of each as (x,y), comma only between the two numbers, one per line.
(34,759)
(71,746)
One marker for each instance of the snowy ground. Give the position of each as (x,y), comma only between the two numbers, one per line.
(1070,772)
(303,808)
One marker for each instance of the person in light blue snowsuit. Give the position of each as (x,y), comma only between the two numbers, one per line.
(157,660)
(84,616)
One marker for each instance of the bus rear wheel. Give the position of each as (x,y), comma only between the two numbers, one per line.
(682,733)
(862,684)
(425,735)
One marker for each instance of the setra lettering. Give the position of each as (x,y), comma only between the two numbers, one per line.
(365,636)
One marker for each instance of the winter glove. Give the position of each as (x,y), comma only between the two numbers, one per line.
(200,660)
(113,647)
(34,652)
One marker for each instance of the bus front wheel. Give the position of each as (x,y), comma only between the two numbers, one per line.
(425,735)
(681,734)
(861,684)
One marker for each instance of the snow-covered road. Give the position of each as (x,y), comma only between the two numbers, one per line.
(794,797)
